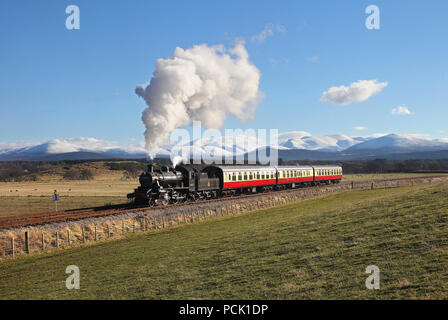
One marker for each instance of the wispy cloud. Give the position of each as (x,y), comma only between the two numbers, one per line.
(313,59)
(360,128)
(356,92)
(401,110)
(269,30)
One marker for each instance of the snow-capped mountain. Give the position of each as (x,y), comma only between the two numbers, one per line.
(299,144)
(402,142)
(304,140)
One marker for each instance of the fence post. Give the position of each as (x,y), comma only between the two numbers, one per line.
(133,226)
(154,224)
(13,246)
(371,187)
(83,235)
(163,222)
(68,237)
(185,218)
(57,239)
(353,185)
(96,234)
(122,227)
(43,241)
(27,243)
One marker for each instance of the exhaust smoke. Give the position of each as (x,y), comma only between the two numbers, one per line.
(203,83)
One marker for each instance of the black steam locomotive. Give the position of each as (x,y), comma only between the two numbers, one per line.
(194,182)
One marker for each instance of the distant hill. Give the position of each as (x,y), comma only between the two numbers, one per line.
(296,145)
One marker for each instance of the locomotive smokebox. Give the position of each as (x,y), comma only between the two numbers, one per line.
(150,168)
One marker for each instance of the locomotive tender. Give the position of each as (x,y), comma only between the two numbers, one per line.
(194,182)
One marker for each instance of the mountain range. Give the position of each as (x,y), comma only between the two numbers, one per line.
(296,145)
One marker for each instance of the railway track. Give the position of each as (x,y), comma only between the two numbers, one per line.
(77,214)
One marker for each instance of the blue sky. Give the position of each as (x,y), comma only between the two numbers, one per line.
(57,83)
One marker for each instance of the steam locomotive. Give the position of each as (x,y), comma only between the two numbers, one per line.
(194,182)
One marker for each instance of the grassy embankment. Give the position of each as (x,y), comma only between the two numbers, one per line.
(317,248)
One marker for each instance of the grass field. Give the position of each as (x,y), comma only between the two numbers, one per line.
(381,176)
(23,205)
(107,187)
(317,248)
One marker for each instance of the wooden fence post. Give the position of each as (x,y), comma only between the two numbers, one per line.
(154,224)
(163,222)
(27,243)
(43,241)
(68,237)
(133,226)
(96,234)
(57,239)
(83,235)
(185,218)
(13,246)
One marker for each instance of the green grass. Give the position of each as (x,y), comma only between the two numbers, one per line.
(317,248)
(382,176)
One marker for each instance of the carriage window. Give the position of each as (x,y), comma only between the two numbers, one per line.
(234,177)
(250,176)
(258,175)
(262,175)
(240,177)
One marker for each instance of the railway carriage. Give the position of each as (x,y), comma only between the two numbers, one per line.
(294,176)
(327,174)
(244,178)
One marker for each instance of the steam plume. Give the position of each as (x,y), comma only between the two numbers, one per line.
(201,83)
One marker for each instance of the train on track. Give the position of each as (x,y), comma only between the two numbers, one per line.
(200,182)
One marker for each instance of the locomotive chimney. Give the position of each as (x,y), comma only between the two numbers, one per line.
(150,168)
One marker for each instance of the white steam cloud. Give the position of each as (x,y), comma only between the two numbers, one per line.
(201,83)
(356,92)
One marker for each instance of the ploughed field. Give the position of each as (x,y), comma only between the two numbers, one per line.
(313,249)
